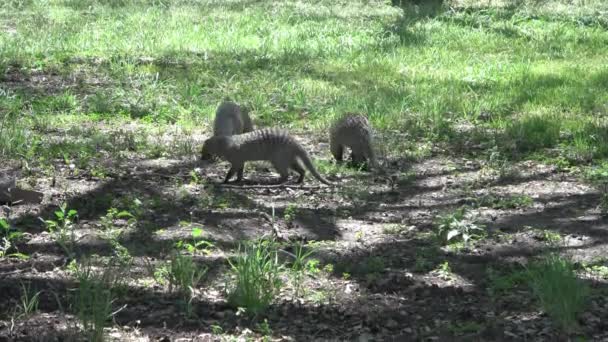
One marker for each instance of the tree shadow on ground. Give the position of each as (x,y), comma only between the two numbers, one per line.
(409,307)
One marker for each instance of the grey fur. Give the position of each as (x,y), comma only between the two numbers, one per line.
(270,144)
(354,131)
(230,119)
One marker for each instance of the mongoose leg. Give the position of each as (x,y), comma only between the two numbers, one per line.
(239,174)
(231,173)
(300,170)
(337,151)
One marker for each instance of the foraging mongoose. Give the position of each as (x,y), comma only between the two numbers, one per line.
(230,119)
(354,131)
(270,144)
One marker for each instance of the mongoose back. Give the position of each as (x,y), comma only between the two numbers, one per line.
(354,131)
(269,144)
(230,119)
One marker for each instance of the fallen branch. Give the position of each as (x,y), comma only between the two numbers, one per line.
(270,186)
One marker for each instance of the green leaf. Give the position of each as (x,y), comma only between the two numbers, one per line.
(20,256)
(124,214)
(452,233)
(196,232)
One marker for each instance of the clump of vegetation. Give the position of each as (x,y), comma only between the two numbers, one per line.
(534,131)
(497,164)
(9,235)
(426,259)
(255,272)
(197,245)
(502,282)
(548,236)
(598,176)
(92,300)
(503,202)
(460,225)
(560,292)
(113,233)
(299,266)
(290,212)
(62,229)
(29,301)
(597,268)
(185,274)
(444,271)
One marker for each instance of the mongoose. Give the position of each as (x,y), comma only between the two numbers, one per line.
(354,131)
(230,119)
(270,144)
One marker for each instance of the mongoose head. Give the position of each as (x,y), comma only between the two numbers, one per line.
(212,147)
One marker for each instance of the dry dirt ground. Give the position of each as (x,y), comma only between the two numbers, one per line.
(399,285)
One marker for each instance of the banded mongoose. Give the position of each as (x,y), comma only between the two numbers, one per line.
(230,119)
(354,131)
(269,144)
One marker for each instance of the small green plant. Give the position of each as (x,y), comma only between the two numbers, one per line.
(161,274)
(255,272)
(29,301)
(194,177)
(426,259)
(264,329)
(502,282)
(394,229)
(458,226)
(217,329)
(113,233)
(598,268)
(561,293)
(359,235)
(312,266)
(62,229)
(552,238)
(598,176)
(9,235)
(503,202)
(444,271)
(299,265)
(92,299)
(185,275)
(290,213)
(498,165)
(198,245)
(318,297)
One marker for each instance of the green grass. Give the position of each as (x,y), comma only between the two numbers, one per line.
(528,77)
(559,291)
(255,272)
(93,297)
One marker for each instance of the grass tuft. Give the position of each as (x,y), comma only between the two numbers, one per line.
(255,272)
(559,291)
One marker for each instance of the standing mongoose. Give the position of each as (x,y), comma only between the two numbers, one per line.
(354,131)
(269,144)
(230,119)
